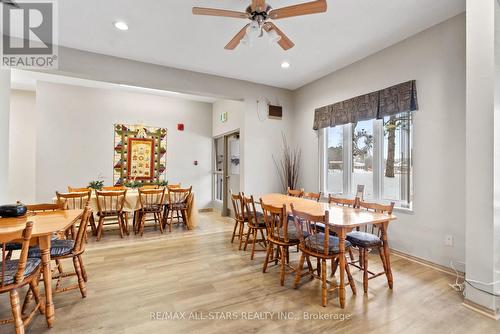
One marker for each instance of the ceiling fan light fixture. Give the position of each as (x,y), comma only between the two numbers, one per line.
(273,36)
(247,40)
(254,30)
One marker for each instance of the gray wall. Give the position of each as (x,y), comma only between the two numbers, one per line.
(75,136)
(436,59)
(260,138)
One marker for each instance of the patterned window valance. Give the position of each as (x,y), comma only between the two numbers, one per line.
(386,102)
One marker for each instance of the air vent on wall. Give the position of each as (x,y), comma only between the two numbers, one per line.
(275,112)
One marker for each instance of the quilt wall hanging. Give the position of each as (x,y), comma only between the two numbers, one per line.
(140,154)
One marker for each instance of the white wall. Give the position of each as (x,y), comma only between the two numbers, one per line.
(75,136)
(235,115)
(260,137)
(22,146)
(4,134)
(436,59)
(482,151)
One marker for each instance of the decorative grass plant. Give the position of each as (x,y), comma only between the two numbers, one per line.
(288,167)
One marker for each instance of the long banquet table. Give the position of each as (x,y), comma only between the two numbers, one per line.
(44,225)
(342,220)
(133,204)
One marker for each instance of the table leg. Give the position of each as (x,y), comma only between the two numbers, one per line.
(341,234)
(387,254)
(44,244)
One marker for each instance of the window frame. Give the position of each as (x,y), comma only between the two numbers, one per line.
(378,163)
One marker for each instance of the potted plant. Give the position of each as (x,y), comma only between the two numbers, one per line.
(96,185)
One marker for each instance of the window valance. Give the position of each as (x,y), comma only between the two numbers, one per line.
(386,102)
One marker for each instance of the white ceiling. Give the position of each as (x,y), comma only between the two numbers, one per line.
(26,80)
(166,33)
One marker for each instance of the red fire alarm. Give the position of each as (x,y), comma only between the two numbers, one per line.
(180,127)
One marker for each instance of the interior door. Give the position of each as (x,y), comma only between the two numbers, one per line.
(226,174)
(232,175)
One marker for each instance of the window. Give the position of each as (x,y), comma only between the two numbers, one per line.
(335,160)
(362,157)
(397,165)
(373,153)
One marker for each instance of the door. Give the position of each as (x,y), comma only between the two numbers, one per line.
(226,175)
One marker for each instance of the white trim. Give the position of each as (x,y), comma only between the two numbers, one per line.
(378,163)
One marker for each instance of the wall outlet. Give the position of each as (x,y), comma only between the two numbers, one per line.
(448,240)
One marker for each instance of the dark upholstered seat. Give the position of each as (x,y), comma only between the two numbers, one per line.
(11,269)
(107,213)
(58,248)
(316,243)
(12,246)
(363,239)
(177,206)
(293,234)
(260,219)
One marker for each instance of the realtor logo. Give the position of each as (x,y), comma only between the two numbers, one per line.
(29,34)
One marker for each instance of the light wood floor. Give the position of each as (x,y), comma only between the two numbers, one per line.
(200,271)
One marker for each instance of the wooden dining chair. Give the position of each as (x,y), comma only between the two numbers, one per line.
(295,192)
(312,196)
(110,205)
(347,202)
(282,234)
(367,238)
(151,201)
(77,200)
(256,225)
(15,274)
(44,207)
(149,186)
(113,188)
(318,243)
(77,190)
(165,208)
(178,202)
(69,249)
(240,218)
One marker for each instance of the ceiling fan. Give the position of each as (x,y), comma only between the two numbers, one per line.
(260,14)
(9,3)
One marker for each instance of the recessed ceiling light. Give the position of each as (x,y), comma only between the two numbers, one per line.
(120,25)
(285,64)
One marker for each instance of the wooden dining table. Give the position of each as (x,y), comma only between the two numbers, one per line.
(342,221)
(132,204)
(45,224)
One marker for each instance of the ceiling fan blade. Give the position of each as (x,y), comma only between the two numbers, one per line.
(258,5)
(9,3)
(236,39)
(219,12)
(284,42)
(314,7)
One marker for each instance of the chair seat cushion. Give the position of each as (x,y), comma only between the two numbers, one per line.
(321,228)
(11,269)
(363,239)
(316,243)
(12,246)
(177,206)
(58,248)
(153,208)
(107,213)
(260,219)
(293,234)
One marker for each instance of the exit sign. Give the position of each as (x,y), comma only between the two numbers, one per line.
(223,117)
